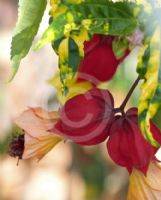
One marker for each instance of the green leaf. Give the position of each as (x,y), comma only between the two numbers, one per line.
(54,32)
(143,60)
(108,17)
(157,118)
(96,16)
(29,18)
(119,47)
(74,57)
(55,45)
(69,59)
(150,99)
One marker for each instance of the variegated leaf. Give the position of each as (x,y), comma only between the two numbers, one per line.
(150,99)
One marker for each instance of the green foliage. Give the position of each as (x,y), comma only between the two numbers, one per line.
(29,18)
(119,47)
(150,69)
(157,118)
(74,57)
(107,17)
(78,22)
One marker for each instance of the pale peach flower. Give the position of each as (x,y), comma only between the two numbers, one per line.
(146,187)
(38,140)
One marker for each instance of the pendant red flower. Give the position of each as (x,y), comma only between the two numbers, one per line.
(99,63)
(84,118)
(126,145)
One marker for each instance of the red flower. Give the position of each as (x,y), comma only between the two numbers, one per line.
(126,145)
(99,63)
(84,118)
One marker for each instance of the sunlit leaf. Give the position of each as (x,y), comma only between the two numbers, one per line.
(150,99)
(75,88)
(29,18)
(119,47)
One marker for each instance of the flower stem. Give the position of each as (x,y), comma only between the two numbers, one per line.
(121,108)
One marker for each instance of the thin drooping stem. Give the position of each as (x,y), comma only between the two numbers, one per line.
(121,108)
(129,93)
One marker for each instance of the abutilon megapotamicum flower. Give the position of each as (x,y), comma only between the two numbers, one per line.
(126,145)
(99,63)
(85,118)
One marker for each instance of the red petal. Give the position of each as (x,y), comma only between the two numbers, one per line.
(93,43)
(156,132)
(92,134)
(84,118)
(126,145)
(118,146)
(101,64)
